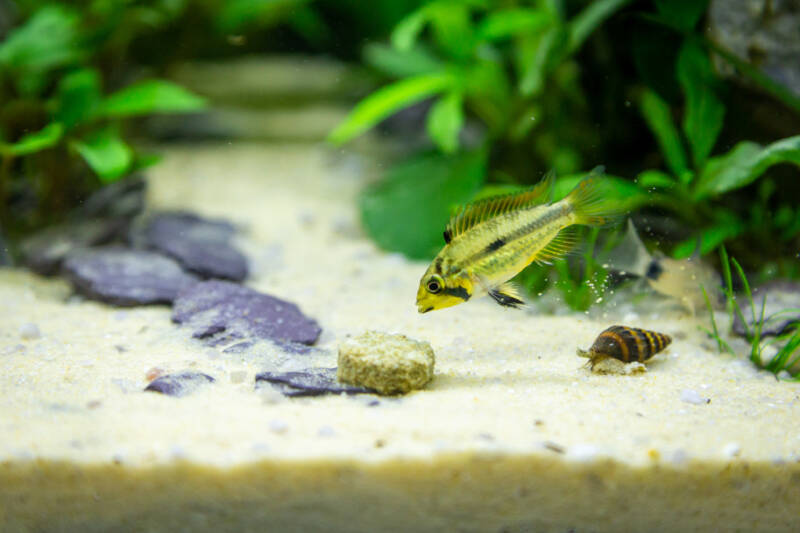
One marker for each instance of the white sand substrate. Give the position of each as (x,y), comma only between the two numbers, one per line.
(513,434)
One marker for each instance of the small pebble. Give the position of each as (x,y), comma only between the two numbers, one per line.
(179,384)
(11,350)
(732,449)
(29,331)
(583,452)
(278,426)
(154,373)
(691,396)
(307,382)
(326,431)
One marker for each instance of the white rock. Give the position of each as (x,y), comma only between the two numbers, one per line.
(29,331)
(278,426)
(732,449)
(691,396)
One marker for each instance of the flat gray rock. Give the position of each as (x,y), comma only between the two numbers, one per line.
(221,312)
(124,277)
(179,384)
(781,313)
(202,246)
(308,382)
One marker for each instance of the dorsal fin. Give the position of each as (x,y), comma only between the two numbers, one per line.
(473,214)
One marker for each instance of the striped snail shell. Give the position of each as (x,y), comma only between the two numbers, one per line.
(626,344)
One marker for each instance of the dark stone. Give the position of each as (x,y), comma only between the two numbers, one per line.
(44,251)
(179,384)
(781,295)
(308,382)
(126,277)
(202,246)
(121,199)
(223,312)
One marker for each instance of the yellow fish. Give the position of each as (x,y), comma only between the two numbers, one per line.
(490,241)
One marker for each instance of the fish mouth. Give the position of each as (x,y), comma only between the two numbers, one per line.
(424,309)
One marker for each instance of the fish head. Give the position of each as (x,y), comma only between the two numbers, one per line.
(437,291)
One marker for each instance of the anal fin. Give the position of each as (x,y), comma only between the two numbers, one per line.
(507,295)
(563,243)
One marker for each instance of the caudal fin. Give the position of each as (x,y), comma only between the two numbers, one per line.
(590,204)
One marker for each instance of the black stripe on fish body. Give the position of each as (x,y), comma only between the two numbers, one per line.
(495,245)
(458,292)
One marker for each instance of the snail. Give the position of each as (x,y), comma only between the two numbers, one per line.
(626,344)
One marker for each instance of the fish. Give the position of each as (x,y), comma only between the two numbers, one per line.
(625,344)
(683,280)
(490,241)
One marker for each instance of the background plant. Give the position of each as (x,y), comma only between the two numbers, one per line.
(519,74)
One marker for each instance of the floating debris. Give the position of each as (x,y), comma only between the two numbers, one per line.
(200,245)
(625,344)
(222,312)
(124,277)
(390,364)
(179,384)
(308,382)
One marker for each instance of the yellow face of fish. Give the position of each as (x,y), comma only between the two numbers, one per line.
(438,292)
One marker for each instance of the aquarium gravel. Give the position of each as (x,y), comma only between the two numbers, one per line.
(513,434)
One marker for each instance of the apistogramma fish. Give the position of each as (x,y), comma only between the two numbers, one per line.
(489,242)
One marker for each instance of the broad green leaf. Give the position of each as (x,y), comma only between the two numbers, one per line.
(407,211)
(511,22)
(488,93)
(235,15)
(47,41)
(77,96)
(655,178)
(106,153)
(681,14)
(444,122)
(710,238)
(46,137)
(400,64)
(405,34)
(386,101)
(702,120)
(151,96)
(452,28)
(537,56)
(585,22)
(659,118)
(745,163)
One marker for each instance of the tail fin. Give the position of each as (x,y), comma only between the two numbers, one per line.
(589,204)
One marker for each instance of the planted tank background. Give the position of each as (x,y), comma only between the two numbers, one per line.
(692,107)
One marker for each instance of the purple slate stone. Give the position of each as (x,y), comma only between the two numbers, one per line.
(124,277)
(308,382)
(202,246)
(223,311)
(179,384)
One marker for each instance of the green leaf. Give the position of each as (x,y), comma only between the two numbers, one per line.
(400,64)
(745,163)
(47,41)
(405,34)
(77,96)
(659,118)
(537,57)
(386,101)
(236,15)
(510,22)
(681,14)
(710,238)
(655,178)
(106,153)
(46,137)
(407,211)
(704,113)
(444,122)
(151,96)
(452,28)
(585,22)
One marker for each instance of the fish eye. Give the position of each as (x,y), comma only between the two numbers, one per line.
(435,285)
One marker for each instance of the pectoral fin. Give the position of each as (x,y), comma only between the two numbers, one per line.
(507,296)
